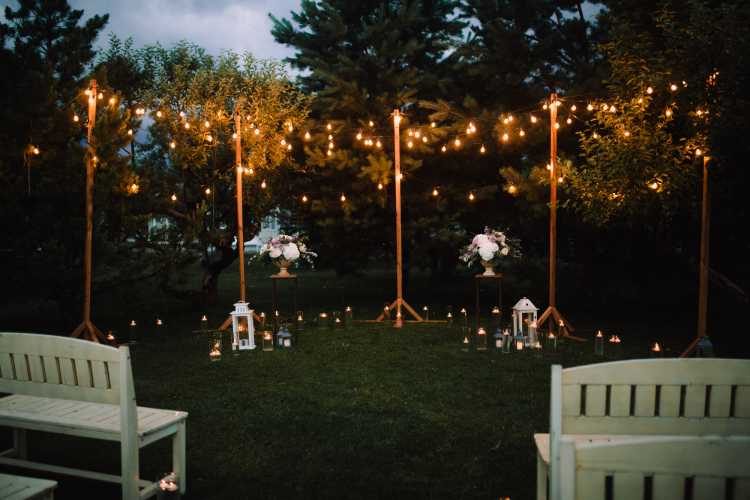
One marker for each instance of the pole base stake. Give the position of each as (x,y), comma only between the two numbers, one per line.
(551,313)
(399,322)
(88,331)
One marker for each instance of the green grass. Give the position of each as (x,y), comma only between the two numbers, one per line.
(366,412)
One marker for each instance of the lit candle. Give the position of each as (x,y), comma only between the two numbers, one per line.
(599,343)
(519,345)
(481,339)
(159,322)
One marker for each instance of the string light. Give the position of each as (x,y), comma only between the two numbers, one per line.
(249,171)
(330,137)
(112,101)
(234,135)
(283,142)
(380,186)
(370,123)
(424,139)
(569,121)
(417,134)
(35,150)
(378,144)
(76,118)
(173,197)
(482,150)
(100,96)
(698,152)
(400,177)
(172,145)
(263,184)
(590,107)
(130,131)
(471,197)
(187,125)
(304,198)
(206,124)
(612,109)
(649,90)
(330,146)
(573,107)
(257,131)
(557,125)
(433,124)
(595,135)
(533,119)
(290,128)
(210,138)
(329,153)
(288,147)
(207,191)
(359,136)
(544,106)
(182,114)
(512,189)
(505,137)
(343,198)
(521,133)
(409,144)
(307,136)
(329,126)
(673,87)
(443,149)
(159,114)
(626,133)
(668,112)
(133,188)
(435,192)
(457,142)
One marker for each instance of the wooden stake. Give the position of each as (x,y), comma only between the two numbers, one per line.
(87,329)
(399,302)
(551,313)
(704,262)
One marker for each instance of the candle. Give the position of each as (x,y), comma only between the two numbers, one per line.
(158,322)
(132,323)
(519,345)
(110,337)
(599,343)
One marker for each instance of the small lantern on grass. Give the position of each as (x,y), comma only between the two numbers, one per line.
(132,333)
(262,320)
(399,319)
(551,341)
(599,343)
(465,343)
(704,348)
(243,329)
(267,340)
(323,320)
(496,316)
(464,318)
(348,316)
(215,346)
(203,325)
(284,338)
(519,343)
(426,313)
(507,341)
(449,316)
(524,320)
(159,322)
(299,321)
(498,339)
(481,339)
(337,322)
(656,350)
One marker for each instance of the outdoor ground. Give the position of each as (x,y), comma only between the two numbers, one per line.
(366,412)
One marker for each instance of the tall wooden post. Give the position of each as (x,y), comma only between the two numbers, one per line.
(704,261)
(399,302)
(552,313)
(87,329)
(240,211)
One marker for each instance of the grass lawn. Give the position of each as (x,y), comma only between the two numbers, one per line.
(366,412)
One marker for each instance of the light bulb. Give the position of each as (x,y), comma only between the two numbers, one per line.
(380,186)
(307,136)
(76,118)
(482,150)
(626,133)
(257,131)
(544,106)
(378,144)
(668,112)
(590,107)
(172,145)
(433,124)
(410,133)
(330,137)
(371,123)
(35,150)
(304,198)
(288,147)
(424,139)
(329,153)
(435,192)
(698,152)
(290,128)
(417,134)
(443,149)
(471,196)
(173,197)
(100,96)
(649,90)
(330,145)
(187,125)
(673,87)
(206,124)
(112,101)
(208,191)
(210,138)
(612,109)
(159,114)
(512,189)
(182,114)
(283,142)
(595,135)
(505,137)
(569,121)
(329,126)
(533,119)
(130,131)
(359,136)
(521,133)
(573,107)
(263,184)
(557,125)
(409,144)
(457,142)
(343,198)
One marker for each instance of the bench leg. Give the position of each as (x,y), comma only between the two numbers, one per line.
(129,469)
(179,458)
(541,479)
(19,443)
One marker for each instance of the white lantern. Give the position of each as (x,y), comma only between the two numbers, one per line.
(243,330)
(524,321)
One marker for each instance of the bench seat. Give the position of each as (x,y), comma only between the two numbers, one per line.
(542,441)
(80,418)
(25,488)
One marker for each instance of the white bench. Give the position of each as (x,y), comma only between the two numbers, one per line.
(26,488)
(80,388)
(595,403)
(656,468)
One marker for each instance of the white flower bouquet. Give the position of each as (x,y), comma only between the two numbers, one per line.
(284,250)
(488,248)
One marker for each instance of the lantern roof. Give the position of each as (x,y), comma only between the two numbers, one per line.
(525,305)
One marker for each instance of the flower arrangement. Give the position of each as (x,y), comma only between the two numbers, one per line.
(284,250)
(488,247)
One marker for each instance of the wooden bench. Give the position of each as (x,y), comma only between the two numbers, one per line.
(80,388)
(26,488)
(626,399)
(656,468)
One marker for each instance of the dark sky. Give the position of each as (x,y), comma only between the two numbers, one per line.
(238,25)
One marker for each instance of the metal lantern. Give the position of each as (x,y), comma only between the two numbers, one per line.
(465,343)
(337,322)
(507,341)
(496,316)
(449,316)
(267,340)
(299,322)
(243,330)
(426,313)
(656,350)
(481,339)
(132,333)
(387,312)
(284,338)
(498,338)
(524,320)
(203,325)
(551,341)
(262,320)
(323,320)
(348,317)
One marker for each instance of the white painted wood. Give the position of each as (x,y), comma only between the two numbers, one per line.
(541,477)
(626,486)
(619,402)
(721,400)
(668,487)
(708,488)
(74,387)
(645,400)
(742,401)
(567,478)
(596,400)
(555,428)
(695,400)
(742,489)
(26,488)
(677,371)
(669,405)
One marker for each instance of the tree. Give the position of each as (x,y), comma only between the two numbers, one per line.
(188,166)
(361,60)
(47,48)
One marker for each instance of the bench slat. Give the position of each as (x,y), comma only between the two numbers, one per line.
(596,400)
(668,487)
(708,488)
(590,484)
(669,401)
(695,400)
(619,405)
(571,400)
(742,402)
(742,489)
(627,486)
(645,399)
(721,401)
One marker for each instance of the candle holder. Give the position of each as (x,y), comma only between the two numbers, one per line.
(519,342)
(551,341)
(614,343)
(399,320)
(132,331)
(243,329)
(299,321)
(464,319)
(262,320)
(426,313)
(267,341)
(481,339)
(337,323)
(507,341)
(496,316)
(498,339)
(348,317)
(599,343)
(203,325)
(323,320)
(465,343)
(284,338)
(215,346)
(111,338)
(159,322)
(449,316)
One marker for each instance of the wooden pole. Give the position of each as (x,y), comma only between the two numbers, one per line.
(240,211)
(399,256)
(553,201)
(399,302)
(87,328)
(704,261)
(552,313)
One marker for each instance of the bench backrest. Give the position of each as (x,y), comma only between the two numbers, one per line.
(656,468)
(64,368)
(654,396)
